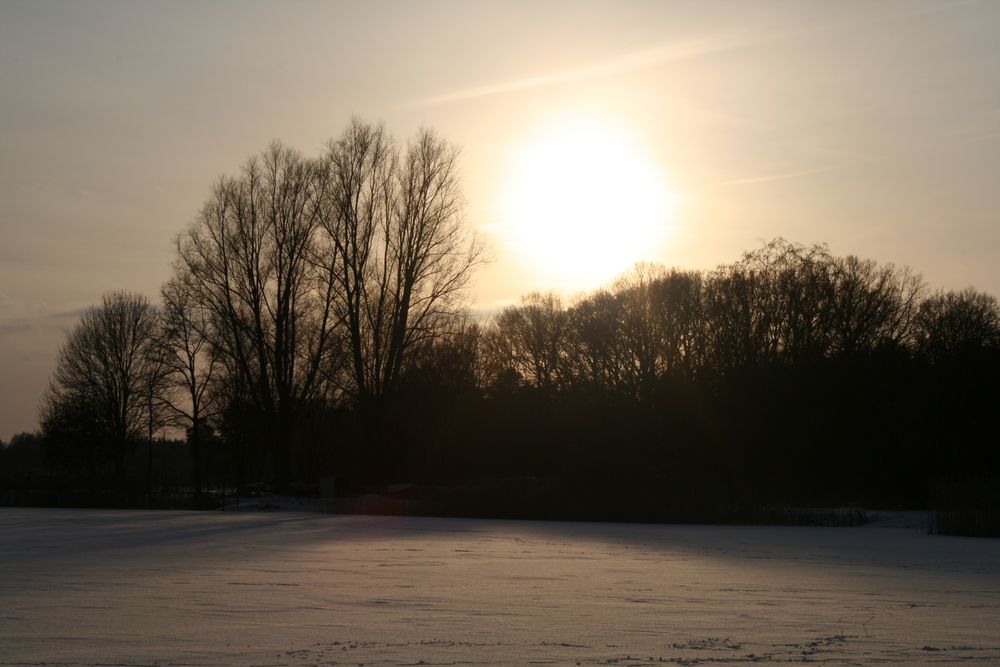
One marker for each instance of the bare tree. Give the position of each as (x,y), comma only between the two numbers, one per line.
(643,331)
(771,306)
(786,303)
(678,297)
(192,365)
(300,265)
(108,366)
(950,324)
(400,253)
(448,365)
(646,326)
(252,262)
(593,326)
(529,341)
(872,305)
(157,388)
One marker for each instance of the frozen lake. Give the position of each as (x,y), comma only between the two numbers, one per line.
(143,588)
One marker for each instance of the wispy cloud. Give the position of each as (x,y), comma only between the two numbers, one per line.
(14,327)
(664,53)
(27,320)
(782,176)
(73,314)
(658,54)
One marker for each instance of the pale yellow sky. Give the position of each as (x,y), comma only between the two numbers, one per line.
(872,126)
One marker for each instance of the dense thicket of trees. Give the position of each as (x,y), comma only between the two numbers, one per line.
(313,325)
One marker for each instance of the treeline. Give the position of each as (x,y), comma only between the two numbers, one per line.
(313,326)
(791,376)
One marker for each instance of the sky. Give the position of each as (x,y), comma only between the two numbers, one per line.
(871,126)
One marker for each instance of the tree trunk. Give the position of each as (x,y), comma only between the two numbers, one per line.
(149,471)
(196,461)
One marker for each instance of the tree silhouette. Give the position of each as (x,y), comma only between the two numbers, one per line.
(252,262)
(400,253)
(527,342)
(316,280)
(952,324)
(104,374)
(192,366)
(872,306)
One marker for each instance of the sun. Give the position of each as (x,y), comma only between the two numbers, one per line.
(584,202)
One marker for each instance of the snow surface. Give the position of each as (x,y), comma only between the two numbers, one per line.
(184,588)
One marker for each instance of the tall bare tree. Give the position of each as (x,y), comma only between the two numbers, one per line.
(401,255)
(252,262)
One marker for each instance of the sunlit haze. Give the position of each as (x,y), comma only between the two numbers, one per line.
(592,135)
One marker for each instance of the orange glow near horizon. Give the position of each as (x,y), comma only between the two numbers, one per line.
(584,201)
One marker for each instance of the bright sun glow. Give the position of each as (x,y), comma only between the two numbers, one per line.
(584,203)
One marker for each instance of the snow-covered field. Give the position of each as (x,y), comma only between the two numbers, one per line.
(143,588)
